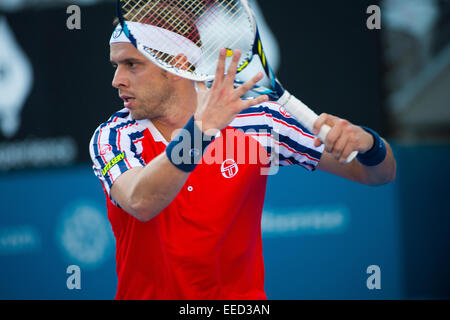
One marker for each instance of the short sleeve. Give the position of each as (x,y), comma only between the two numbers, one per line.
(288,142)
(114,149)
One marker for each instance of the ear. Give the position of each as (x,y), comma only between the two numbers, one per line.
(180,62)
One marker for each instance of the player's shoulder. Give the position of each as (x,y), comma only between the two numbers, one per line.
(265,108)
(117,118)
(119,121)
(263,113)
(269,114)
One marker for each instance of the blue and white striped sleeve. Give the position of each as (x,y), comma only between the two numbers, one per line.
(289,142)
(114,149)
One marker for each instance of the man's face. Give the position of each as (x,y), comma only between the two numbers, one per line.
(144,87)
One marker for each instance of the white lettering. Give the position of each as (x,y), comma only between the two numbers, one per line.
(196,310)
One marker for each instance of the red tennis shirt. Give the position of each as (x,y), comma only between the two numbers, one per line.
(207,243)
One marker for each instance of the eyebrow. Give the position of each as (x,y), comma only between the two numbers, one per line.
(127,60)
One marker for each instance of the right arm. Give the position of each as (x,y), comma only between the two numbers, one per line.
(145,191)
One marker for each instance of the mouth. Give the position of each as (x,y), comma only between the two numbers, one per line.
(127,101)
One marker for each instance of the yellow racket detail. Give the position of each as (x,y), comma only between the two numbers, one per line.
(243,66)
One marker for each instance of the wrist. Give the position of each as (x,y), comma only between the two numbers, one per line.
(186,150)
(205,128)
(376,154)
(371,143)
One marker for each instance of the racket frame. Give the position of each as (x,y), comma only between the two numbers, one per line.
(294,106)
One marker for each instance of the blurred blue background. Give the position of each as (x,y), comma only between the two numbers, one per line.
(320,232)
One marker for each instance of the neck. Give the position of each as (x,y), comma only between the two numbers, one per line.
(180,110)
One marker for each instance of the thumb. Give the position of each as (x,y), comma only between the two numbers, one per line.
(317,142)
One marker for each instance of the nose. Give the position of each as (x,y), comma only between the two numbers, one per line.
(120,78)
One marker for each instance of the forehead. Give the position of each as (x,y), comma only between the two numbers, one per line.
(124,50)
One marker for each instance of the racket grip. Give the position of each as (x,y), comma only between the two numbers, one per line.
(307,117)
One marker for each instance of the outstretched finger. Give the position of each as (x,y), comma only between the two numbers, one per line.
(232,68)
(220,70)
(253,102)
(248,85)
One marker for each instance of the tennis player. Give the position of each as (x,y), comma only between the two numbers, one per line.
(186,211)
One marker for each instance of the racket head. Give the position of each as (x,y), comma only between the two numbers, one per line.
(184,37)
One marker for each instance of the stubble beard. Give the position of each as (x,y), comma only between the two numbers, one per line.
(155,106)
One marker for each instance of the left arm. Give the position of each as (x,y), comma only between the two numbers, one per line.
(343,138)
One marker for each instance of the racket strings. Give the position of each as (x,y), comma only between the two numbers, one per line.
(138,7)
(173,22)
(185,26)
(230,6)
(231,19)
(209,24)
(229,14)
(169,15)
(191,13)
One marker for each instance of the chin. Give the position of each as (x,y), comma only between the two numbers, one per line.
(137,115)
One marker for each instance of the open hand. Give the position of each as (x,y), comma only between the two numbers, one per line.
(218,105)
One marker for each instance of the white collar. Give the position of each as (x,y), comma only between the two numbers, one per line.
(157,136)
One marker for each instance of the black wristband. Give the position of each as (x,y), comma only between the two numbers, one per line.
(376,154)
(186,150)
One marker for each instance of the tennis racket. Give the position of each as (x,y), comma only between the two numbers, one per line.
(197,29)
